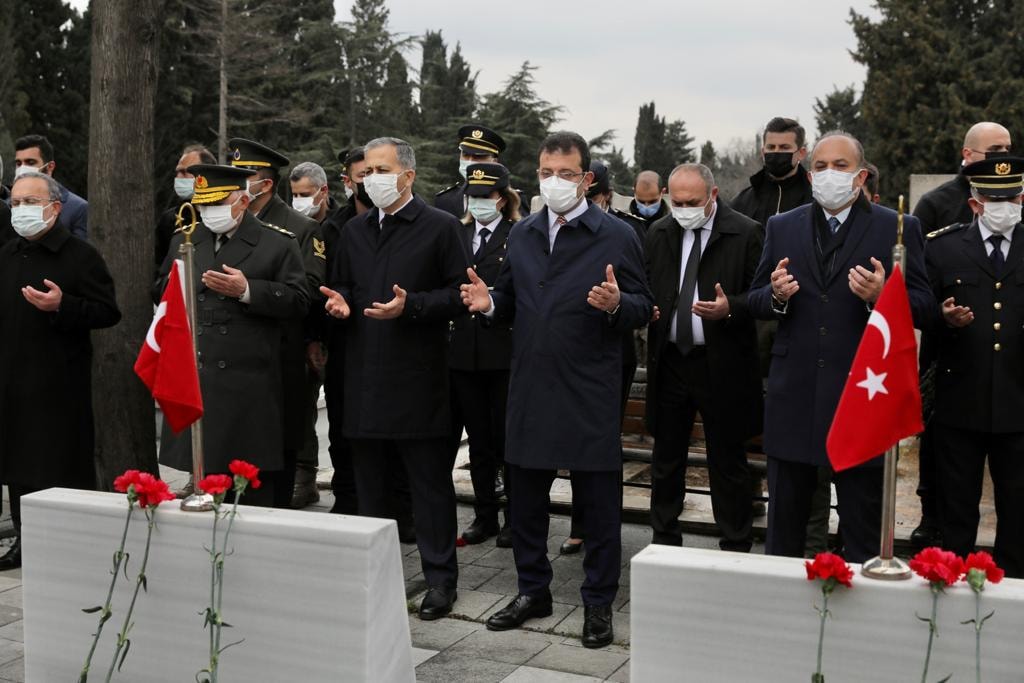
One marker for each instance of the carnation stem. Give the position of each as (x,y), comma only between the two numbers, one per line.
(212,616)
(977,636)
(821,630)
(140,582)
(932,628)
(105,612)
(220,569)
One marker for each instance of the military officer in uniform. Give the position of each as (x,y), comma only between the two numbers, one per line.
(249,281)
(298,334)
(479,355)
(944,206)
(477,145)
(976,271)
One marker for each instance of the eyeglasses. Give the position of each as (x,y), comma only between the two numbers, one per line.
(30,201)
(544,174)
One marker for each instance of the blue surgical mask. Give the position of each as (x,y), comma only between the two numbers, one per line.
(463,165)
(648,210)
(184,188)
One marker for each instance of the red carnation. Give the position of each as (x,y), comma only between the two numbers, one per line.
(215,484)
(246,470)
(124,482)
(151,491)
(979,567)
(938,566)
(829,566)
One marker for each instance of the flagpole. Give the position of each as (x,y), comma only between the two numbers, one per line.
(886,566)
(197,501)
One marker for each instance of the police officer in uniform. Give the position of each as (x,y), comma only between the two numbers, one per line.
(479,356)
(269,208)
(977,273)
(249,281)
(944,206)
(477,145)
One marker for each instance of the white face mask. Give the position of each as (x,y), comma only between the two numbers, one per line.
(28,221)
(559,195)
(184,188)
(691,217)
(484,209)
(217,217)
(833,189)
(463,165)
(305,205)
(25,168)
(999,217)
(382,188)
(348,192)
(248,189)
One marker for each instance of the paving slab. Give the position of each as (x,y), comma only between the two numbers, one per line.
(579,660)
(529,674)
(440,634)
(510,647)
(457,668)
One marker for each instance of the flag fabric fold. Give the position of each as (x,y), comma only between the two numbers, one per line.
(167,360)
(881,402)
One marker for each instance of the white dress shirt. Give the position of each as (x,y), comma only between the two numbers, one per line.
(689,236)
(572,214)
(1004,246)
(841,216)
(480,226)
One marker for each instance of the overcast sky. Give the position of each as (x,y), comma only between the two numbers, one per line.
(725,67)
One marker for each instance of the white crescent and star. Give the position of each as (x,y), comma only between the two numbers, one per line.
(874,383)
(151,341)
(878,320)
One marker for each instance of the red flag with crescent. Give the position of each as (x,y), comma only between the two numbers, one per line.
(881,402)
(167,359)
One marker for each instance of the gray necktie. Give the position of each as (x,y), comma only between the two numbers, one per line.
(833,224)
(684,326)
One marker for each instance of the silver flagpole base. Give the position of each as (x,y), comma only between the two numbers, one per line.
(888,569)
(197,502)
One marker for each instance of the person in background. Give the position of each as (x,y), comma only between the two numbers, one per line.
(191,155)
(35,153)
(648,198)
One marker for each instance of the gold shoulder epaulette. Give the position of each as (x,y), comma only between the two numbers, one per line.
(279,229)
(943,231)
(627,213)
(448,189)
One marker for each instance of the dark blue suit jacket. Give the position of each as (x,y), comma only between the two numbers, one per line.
(823,324)
(566,375)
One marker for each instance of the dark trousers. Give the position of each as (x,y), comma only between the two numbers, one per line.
(791,486)
(343,483)
(433,497)
(683,388)
(926,475)
(309,456)
(960,468)
(597,494)
(628,370)
(266,495)
(15,492)
(482,397)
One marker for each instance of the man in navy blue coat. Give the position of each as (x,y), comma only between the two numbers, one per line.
(573,280)
(821,271)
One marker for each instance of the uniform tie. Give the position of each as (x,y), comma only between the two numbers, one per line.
(833,224)
(484,232)
(997,253)
(220,242)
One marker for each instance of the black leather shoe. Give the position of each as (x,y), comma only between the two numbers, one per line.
(926,535)
(523,607)
(597,626)
(437,603)
(569,548)
(504,539)
(12,558)
(499,484)
(479,531)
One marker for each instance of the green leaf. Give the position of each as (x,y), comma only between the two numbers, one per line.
(127,646)
(817,678)
(92,610)
(946,679)
(142,580)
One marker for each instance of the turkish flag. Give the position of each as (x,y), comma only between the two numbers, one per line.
(881,402)
(167,359)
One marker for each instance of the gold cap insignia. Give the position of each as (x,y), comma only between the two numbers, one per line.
(477,134)
(237,154)
(1003,169)
(201,182)
(478,174)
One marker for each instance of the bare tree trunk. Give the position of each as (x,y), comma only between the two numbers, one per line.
(125,48)
(222,122)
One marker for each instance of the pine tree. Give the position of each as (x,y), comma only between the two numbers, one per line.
(523,118)
(840,110)
(603,149)
(659,145)
(708,156)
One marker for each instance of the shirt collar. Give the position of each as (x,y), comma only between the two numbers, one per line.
(381,214)
(986,233)
(570,215)
(490,226)
(841,216)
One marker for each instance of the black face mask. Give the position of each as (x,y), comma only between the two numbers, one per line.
(997,155)
(362,195)
(778,164)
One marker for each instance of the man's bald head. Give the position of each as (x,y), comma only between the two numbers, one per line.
(647,188)
(984,138)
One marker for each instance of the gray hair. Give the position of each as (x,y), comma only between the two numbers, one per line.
(700,169)
(842,134)
(51,185)
(307,169)
(406,157)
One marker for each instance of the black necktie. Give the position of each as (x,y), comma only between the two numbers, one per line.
(484,232)
(684,326)
(833,224)
(997,253)
(221,240)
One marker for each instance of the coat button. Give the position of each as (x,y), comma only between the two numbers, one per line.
(541,284)
(223,329)
(998,306)
(996,346)
(199,332)
(277,292)
(199,366)
(997,327)
(999,285)
(824,298)
(821,363)
(220,297)
(959,281)
(201,297)
(221,364)
(822,331)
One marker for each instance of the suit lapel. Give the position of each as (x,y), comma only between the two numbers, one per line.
(976,249)
(240,245)
(497,240)
(202,255)
(807,241)
(857,229)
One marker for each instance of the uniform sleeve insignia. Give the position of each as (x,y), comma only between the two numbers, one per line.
(281,230)
(942,231)
(319,248)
